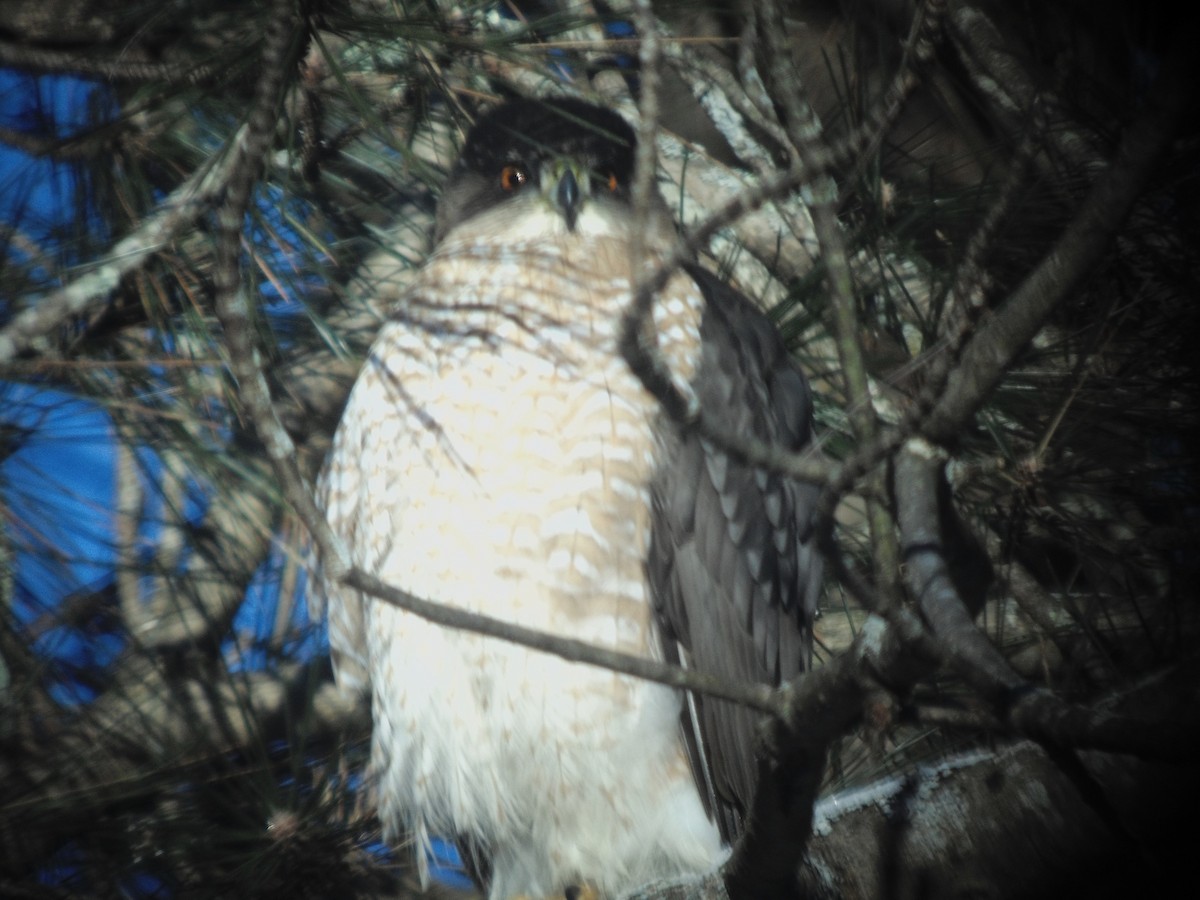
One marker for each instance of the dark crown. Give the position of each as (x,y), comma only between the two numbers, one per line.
(537,130)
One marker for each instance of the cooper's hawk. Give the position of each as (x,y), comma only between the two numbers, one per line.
(498,454)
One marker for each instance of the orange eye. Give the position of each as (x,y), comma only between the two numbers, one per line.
(613,184)
(512,177)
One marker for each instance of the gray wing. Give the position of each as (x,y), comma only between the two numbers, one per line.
(734,586)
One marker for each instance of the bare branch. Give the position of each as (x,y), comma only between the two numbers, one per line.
(645,169)
(233,306)
(649,72)
(119,68)
(929,581)
(969,284)
(804,132)
(1026,709)
(1005,334)
(755,696)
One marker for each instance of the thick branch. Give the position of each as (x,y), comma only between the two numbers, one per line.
(1023,708)
(1011,823)
(928,577)
(1078,251)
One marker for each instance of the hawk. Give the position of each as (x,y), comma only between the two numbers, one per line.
(498,454)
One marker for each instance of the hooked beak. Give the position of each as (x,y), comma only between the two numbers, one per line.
(567,186)
(567,198)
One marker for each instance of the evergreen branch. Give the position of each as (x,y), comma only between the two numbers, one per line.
(651,371)
(1022,708)
(804,133)
(189,201)
(1008,331)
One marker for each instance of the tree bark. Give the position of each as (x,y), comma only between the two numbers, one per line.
(1015,821)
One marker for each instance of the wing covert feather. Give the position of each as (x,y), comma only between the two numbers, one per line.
(735,587)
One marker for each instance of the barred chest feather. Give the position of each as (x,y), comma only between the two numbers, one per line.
(506,453)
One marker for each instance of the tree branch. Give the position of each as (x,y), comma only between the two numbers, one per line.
(117,68)
(1001,824)
(1004,335)
(652,370)
(804,132)
(1024,708)
(181,209)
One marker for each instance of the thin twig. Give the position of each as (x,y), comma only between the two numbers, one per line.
(646,161)
(755,696)
(804,132)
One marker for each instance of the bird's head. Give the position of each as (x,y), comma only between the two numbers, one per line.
(541,168)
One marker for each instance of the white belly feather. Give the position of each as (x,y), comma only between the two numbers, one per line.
(509,474)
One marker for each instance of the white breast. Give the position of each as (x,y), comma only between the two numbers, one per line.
(503,453)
